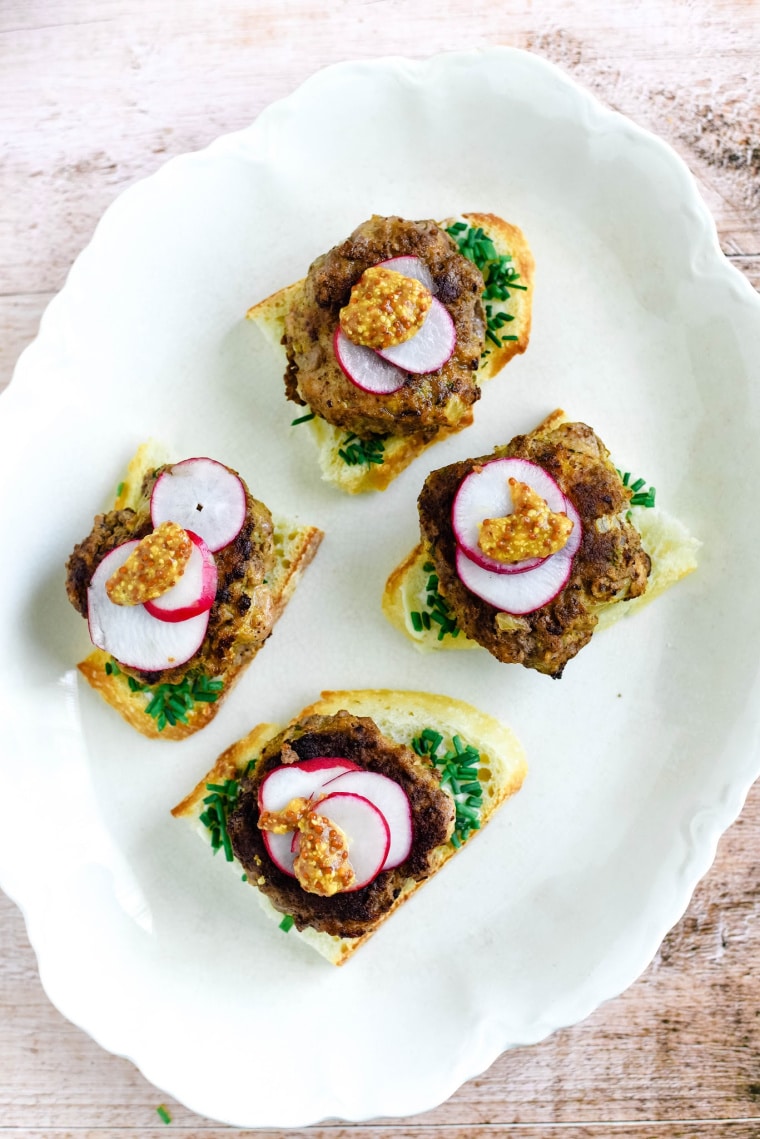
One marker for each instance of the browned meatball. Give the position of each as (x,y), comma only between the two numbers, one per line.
(425,403)
(357,738)
(611,564)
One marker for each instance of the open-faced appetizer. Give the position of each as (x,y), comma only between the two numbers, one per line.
(530,549)
(338,818)
(181,584)
(388,338)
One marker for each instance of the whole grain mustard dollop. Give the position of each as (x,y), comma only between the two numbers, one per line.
(533,530)
(321,865)
(154,566)
(385,308)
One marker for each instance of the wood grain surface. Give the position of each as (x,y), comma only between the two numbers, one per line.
(94,97)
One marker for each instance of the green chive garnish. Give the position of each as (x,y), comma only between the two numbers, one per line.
(220,801)
(355,450)
(499,276)
(163,1114)
(456,767)
(287,923)
(171,703)
(303,419)
(438,609)
(640,496)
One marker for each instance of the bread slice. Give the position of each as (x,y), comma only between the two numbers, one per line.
(400,716)
(400,450)
(671,548)
(669,544)
(295,546)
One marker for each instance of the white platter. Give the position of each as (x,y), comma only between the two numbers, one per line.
(639,757)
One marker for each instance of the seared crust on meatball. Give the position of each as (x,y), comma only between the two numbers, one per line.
(425,403)
(356,738)
(108,531)
(611,564)
(240,619)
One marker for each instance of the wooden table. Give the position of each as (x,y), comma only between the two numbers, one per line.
(95,96)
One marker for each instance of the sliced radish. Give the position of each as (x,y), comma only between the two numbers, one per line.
(485,493)
(195,591)
(328,763)
(430,348)
(299,780)
(365,368)
(203,496)
(282,849)
(412,266)
(129,632)
(366,830)
(516,593)
(390,799)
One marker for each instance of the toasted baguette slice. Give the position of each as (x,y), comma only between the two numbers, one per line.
(669,544)
(400,450)
(295,546)
(400,716)
(671,548)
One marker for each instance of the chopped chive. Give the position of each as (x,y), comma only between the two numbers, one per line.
(287,923)
(640,497)
(171,703)
(457,775)
(416,619)
(163,1114)
(303,419)
(119,489)
(499,276)
(220,801)
(437,608)
(355,450)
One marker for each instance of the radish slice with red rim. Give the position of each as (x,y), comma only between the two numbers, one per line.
(365,368)
(516,593)
(365,828)
(203,496)
(300,780)
(411,266)
(195,591)
(485,493)
(130,633)
(390,799)
(430,347)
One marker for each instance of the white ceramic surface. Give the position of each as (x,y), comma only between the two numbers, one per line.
(639,757)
